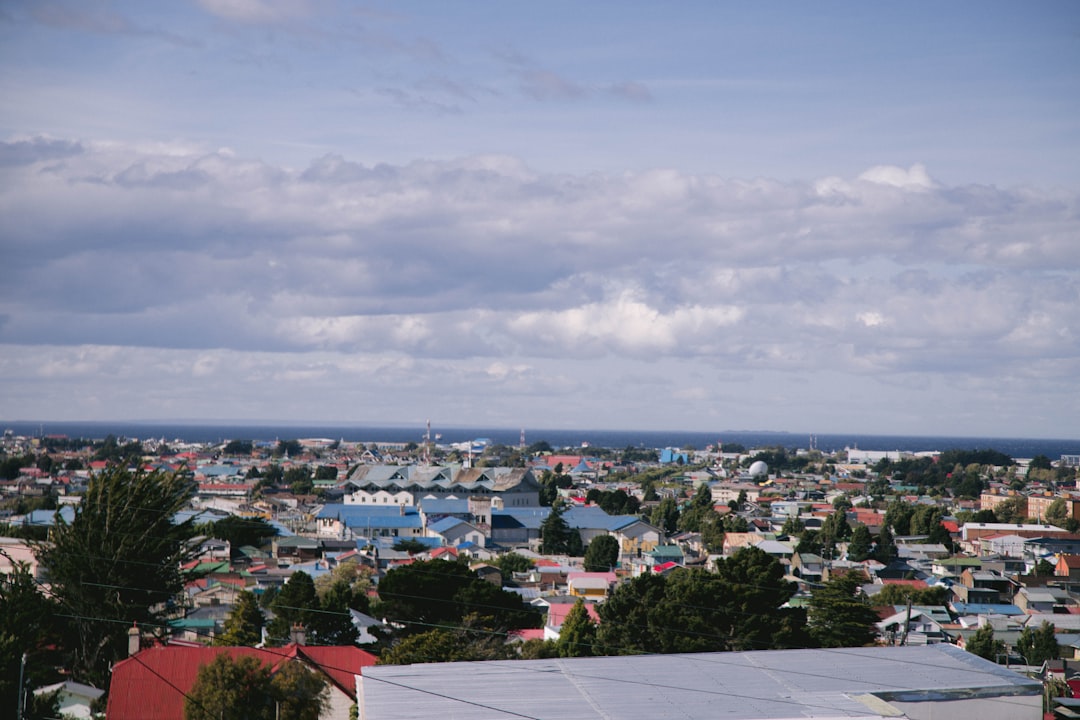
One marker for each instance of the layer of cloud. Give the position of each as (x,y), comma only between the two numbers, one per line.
(483,265)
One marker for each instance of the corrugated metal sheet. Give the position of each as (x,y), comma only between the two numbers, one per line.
(751,686)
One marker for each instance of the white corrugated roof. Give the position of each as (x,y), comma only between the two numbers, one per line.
(766,685)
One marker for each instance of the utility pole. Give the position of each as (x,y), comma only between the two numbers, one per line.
(907,622)
(22,695)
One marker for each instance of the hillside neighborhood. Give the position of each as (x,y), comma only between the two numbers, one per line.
(378,580)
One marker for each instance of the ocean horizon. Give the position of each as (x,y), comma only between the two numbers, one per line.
(220,431)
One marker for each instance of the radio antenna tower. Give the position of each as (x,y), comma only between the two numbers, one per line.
(427,443)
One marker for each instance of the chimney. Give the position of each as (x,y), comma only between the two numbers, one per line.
(298,634)
(134,639)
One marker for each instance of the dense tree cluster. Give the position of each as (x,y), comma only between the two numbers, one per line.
(614,502)
(961,472)
(738,607)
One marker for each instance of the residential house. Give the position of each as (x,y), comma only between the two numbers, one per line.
(591,585)
(1043,600)
(808,567)
(557,610)
(153,684)
(74,700)
(455,531)
(922,628)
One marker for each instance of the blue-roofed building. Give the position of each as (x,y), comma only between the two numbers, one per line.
(669,456)
(520,526)
(350,521)
(517,526)
(47,518)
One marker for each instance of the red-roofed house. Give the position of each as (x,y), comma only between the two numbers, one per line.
(556,616)
(151,685)
(916,584)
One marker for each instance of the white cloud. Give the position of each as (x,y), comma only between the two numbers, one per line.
(914,178)
(485,270)
(256,11)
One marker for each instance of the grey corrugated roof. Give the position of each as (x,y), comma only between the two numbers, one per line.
(767,685)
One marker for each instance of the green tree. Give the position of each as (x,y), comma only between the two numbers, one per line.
(665,515)
(861,546)
(1044,568)
(295,604)
(227,689)
(238,447)
(298,478)
(739,607)
(898,517)
(462,644)
(758,594)
(292,448)
(118,562)
(244,689)
(556,536)
(244,624)
(602,554)
(839,616)
(332,624)
(983,644)
(326,472)
(241,531)
(27,625)
(411,546)
(835,529)
(357,576)
(1038,645)
(511,562)
(1057,513)
(436,592)
(298,692)
(885,551)
(793,526)
(1040,462)
(712,531)
(1011,510)
(578,634)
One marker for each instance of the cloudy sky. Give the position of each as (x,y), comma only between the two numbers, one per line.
(815,217)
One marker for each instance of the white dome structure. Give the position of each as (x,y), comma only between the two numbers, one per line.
(759,469)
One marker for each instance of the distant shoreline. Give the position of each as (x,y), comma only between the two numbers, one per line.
(220,431)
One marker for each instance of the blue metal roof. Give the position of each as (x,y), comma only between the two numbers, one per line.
(346,513)
(438,506)
(445,524)
(985,609)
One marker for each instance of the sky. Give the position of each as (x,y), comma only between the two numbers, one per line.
(812,217)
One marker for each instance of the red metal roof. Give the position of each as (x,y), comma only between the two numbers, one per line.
(917,584)
(151,684)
